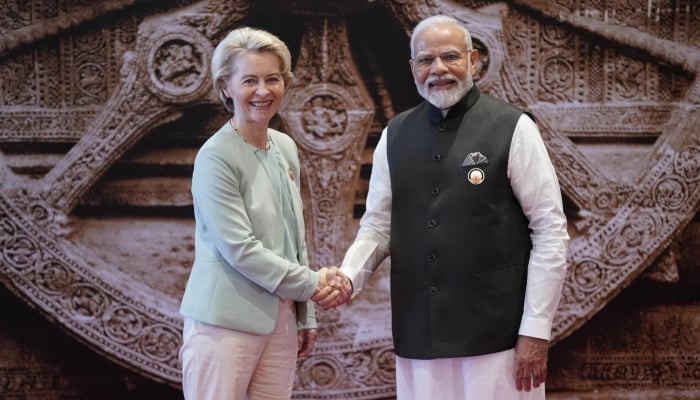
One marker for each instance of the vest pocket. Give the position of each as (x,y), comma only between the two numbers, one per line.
(496,268)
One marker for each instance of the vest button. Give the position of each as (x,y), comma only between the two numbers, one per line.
(434,191)
(432,223)
(433,290)
(442,127)
(432,257)
(436,157)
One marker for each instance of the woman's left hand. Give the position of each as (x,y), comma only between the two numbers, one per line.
(306,338)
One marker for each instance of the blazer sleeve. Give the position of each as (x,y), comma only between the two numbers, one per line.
(306,315)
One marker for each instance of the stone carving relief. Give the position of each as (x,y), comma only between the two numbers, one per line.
(78,102)
(328,111)
(178,66)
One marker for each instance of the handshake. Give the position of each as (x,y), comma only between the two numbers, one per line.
(334,288)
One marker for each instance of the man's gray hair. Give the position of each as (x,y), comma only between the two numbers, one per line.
(438,20)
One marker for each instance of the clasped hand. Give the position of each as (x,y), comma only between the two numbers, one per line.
(334,288)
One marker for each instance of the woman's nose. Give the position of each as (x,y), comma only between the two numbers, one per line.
(262,89)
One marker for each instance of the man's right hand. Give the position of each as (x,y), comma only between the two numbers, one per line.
(334,288)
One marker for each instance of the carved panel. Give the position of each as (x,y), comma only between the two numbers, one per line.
(103,106)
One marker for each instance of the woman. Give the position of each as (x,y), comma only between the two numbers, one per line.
(249,289)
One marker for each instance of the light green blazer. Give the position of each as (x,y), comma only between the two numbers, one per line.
(237,277)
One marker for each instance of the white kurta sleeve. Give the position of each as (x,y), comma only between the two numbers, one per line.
(534,183)
(371,246)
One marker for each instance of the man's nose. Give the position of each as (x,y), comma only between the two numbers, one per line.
(438,65)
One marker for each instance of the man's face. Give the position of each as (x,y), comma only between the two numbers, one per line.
(442,65)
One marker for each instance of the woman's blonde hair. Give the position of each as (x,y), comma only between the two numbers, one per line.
(238,42)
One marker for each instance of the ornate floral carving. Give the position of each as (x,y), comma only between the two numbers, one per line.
(324,117)
(18,80)
(122,324)
(178,66)
(161,342)
(54,277)
(578,87)
(687,163)
(86,302)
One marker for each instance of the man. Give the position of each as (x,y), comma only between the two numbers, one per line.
(465,200)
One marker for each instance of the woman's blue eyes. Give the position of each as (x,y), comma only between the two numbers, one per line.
(268,80)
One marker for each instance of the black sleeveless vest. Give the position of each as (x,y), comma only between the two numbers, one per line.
(460,242)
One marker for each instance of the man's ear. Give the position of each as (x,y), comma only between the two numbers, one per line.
(473,60)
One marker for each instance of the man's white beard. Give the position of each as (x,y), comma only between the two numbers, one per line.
(443,99)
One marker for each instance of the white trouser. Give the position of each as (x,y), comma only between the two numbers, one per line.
(220,364)
(487,377)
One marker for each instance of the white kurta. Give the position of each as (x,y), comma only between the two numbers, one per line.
(486,377)
(535,185)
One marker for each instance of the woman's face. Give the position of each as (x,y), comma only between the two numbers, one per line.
(256,87)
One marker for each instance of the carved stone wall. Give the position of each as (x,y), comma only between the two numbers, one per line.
(103,106)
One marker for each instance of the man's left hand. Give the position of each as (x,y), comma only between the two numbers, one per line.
(530,362)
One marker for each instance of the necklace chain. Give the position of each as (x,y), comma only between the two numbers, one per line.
(235,128)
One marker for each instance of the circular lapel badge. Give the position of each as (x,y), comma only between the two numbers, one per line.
(476,176)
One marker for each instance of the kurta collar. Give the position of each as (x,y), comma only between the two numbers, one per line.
(458,109)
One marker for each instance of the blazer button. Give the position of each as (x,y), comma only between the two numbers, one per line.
(432,223)
(437,157)
(432,257)
(442,127)
(434,191)
(432,290)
